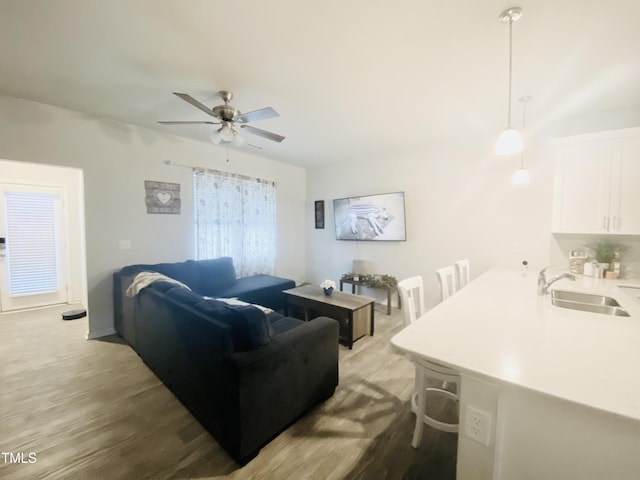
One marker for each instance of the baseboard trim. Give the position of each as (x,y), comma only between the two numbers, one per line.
(101,333)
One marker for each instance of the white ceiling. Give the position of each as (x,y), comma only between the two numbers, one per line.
(350,78)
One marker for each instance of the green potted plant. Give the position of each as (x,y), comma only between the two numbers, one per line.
(606,251)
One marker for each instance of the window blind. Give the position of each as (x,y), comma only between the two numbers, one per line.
(31,242)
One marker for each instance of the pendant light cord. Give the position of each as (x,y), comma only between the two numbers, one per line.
(510,69)
(524,110)
(524,101)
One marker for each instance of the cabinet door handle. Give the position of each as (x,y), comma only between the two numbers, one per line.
(605,223)
(616,223)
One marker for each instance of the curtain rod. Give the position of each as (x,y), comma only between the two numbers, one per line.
(176,164)
(196,167)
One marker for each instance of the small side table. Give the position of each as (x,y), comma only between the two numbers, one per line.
(389,289)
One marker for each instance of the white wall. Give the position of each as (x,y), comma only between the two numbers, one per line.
(116,159)
(460,203)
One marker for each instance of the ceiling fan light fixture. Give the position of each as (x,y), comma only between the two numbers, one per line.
(226,132)
(509,142)
(216,137)
(238,140)
(228,116)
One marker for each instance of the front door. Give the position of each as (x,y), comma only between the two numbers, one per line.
(33,257)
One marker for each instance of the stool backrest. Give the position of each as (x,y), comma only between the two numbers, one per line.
(463,273)
(412,294)
(447,280)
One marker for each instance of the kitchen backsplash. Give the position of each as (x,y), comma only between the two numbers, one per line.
(562,244)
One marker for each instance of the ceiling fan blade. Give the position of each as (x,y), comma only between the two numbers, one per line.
(263,133)
(261,114)
(187,123)
(194,102)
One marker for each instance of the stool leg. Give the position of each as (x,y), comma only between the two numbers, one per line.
(420,408)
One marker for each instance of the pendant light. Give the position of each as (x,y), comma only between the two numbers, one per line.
(522,177)
(509,142)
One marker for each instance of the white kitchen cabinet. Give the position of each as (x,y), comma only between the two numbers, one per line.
(625,194)
(596,184)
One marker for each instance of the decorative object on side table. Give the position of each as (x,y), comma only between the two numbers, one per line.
(371,281)
(328,286)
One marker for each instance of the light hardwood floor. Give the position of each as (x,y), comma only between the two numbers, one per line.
(92,409)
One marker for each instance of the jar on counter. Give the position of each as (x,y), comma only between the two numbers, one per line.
(577,260)
(588,269)
(598,271)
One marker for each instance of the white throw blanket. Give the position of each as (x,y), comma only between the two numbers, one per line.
(235,301)
(144,279)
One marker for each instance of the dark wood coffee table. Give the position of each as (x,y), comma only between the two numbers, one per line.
(355,313)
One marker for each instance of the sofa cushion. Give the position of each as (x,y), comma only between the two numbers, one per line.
(249,326)
(163,286)
(185,272)
(265,290)
(214,275)
(284,324)
(272,317)
(182,295)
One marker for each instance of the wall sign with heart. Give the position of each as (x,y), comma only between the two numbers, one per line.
(162,197)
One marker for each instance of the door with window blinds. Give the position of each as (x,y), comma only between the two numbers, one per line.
(33,260)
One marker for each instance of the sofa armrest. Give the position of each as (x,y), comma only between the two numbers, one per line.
(278,383)
(312,336)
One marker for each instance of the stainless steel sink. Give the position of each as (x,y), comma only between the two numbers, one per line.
(588,307)
(589,298)
(587,302)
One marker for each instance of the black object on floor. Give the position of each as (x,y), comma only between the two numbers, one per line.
(73,314)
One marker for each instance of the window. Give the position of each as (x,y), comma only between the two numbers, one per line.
(235,216)
(31,226)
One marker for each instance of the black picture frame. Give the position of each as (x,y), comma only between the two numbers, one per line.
(319,213)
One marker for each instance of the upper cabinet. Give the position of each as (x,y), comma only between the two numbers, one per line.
(597,183)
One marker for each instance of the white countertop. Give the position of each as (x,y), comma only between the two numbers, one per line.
(499,328)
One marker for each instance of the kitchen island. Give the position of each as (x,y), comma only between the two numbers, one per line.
(561,387)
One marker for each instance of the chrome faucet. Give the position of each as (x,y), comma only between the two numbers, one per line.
(544,284)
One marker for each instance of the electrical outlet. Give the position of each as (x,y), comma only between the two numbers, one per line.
(478,425)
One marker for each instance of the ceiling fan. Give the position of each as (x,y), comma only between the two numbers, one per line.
(229,117)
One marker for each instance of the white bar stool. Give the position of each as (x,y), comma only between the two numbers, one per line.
(412,294)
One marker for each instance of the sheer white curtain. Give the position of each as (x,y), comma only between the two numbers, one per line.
(235,216)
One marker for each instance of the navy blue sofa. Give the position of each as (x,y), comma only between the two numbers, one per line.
(213,278)
(244,374)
